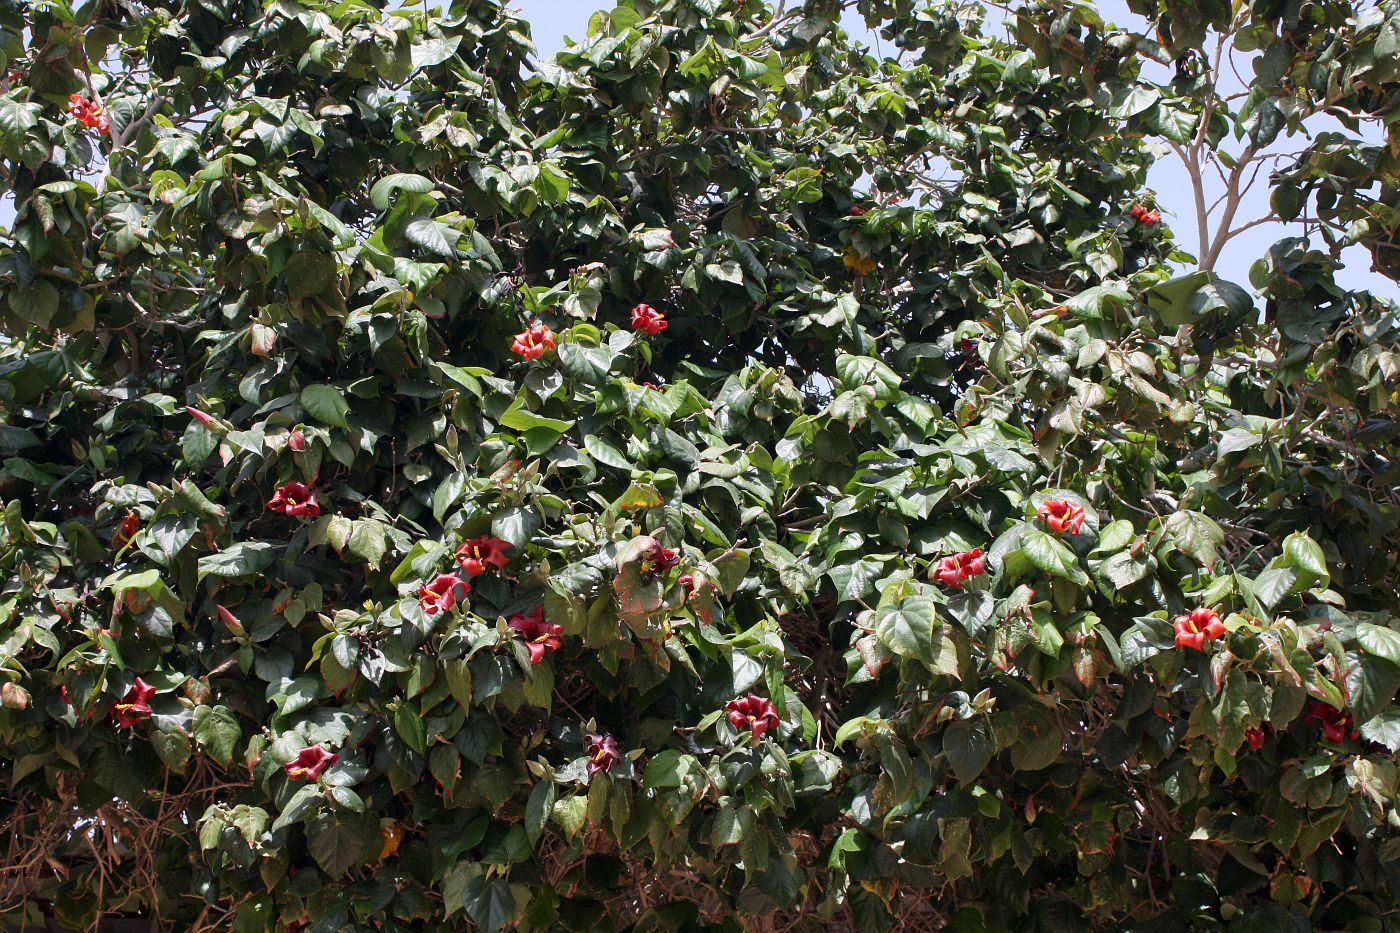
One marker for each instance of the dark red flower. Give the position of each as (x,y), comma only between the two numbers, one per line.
(856,211)
(441,595)
(533,343)
(647,318)
(89,113)
(297,442)
(135,706)
(1194,630)
(753,712)
(476,553)
(1061,516)
(957,569)
(1255,738)
(540,636)
(295,499)
(309,763)
(130,525)
(602,754)
(657,561)
(1336,723)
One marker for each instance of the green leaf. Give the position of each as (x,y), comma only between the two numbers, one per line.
(368,540)
(520,418)
(340,841)
(969,747)
(218,732)
(1051,555)
(326,404)
(410,727)
(383,190)
(489,902)
(239,560)
(1379,641)
(37,303)
(538,809)
(907,628)
(1195,534)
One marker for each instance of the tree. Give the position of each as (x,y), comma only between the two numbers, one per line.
(716,476)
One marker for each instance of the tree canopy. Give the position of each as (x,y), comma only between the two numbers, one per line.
(724,476)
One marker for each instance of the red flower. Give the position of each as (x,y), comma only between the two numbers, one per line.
(297,442)
(441,594)
(88,113)
(647,318)
(1144,216)
(1199,627)
(1255,738)
(1336,723)
(295,499)
(533,343)
(540,636)
(753,712)
(957,569)
(476,553)
(1061,516)
(309,763)
(602,754)
(130,525)
(856,211)
(135,706)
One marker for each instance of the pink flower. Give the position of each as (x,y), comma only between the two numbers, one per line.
(957,569)
(533,343)
(204,418)
(602,754)
(753,712)
(309,763)
(1061,516)
(230,620)
(295,499)
(540,636)
(135,706)
(441,594)
(476,553)
(297,442)
(1194,630)
(647,318)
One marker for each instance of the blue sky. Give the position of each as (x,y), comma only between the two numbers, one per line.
(552,20)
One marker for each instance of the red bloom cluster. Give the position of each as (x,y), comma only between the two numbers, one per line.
(533,343)
(476,553)
(1336,724)
(135,706)
(1061,516)
(294,499)
(89,113)
(540,636)
(441,595)
(603,753)
(309,763)
(657,561)
(957,569)
(130,525)
(1143,216)
(1199,627)
(753,712)
(647,318)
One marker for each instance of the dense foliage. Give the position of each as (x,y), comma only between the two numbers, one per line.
(720,476)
